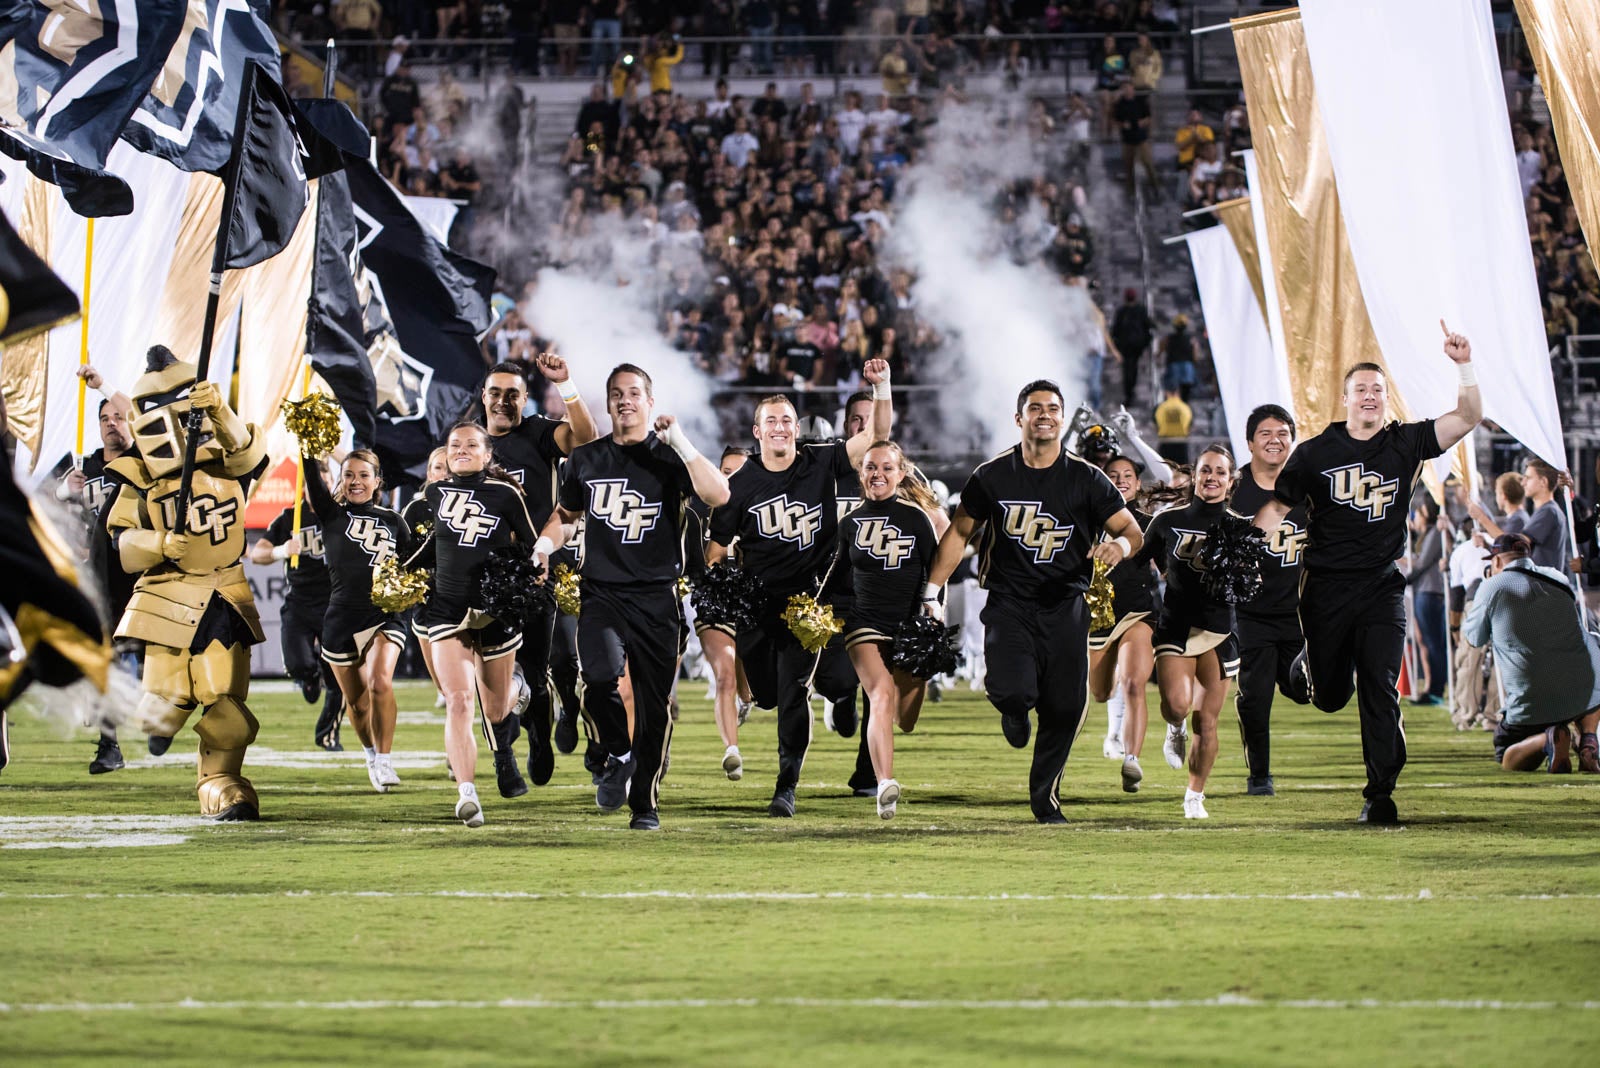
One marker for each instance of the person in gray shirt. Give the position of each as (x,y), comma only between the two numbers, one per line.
(1546,528)
(1549,665)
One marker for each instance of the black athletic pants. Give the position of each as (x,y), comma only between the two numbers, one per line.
(533,657)
(1355,626)
(300,635)
(636,627)
(1268,646)
(777,668)
(564,660)
(1038,658)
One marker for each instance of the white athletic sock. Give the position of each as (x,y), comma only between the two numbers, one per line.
(372,754)
(1115,707)
(467,789)
(733,749)
(1189,794)
(625,757)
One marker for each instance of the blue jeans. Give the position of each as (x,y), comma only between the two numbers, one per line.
(1431,620)
(606,42)
(1097,364)
(761,48)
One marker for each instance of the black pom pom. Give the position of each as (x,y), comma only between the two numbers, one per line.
(925,647)
(728,596)
(1231,560)
(508,586)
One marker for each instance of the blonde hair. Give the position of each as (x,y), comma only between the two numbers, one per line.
(914,487)
(443,455)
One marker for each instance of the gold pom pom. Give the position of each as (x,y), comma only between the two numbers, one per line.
(683,586)
(1100,598)
(811,622)
(569,596)
(394,589)
(314,422)
(425,529)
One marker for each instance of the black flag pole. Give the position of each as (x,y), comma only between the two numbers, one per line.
(219,260)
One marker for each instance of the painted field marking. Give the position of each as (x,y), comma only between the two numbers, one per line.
(784,895)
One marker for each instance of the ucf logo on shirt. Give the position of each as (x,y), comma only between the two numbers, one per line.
(846,506)
(1286,543)
(463,513)
(788,520)
(311,538)
(622,509)
(1035,529)
(883,542)
(207,515)
(96,491)
(1355,486)
(375,539)
(1188,547)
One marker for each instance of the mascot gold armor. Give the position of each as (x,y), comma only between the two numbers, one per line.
(191,605)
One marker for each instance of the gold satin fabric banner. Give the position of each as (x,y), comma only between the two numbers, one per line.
(1235,217)
(1564,39)
(1325,323)
(25,366)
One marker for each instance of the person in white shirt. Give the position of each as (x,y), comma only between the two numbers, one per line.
(1530,164)
(718,105)
(852,120)
(886,118)
(741,144)
(1472,697)
(1207,167)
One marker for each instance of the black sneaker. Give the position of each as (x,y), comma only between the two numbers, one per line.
(594,762)
(1051,818)
(645,821)
(1017,730)
(158,744)
(782,804)
(1381,811)
(863,785)
(1299,681)
(611,793)
(541,762)
(845,718)
(506,775)
(107,757)
(330,742)
(567,732)
(311,689)
(1260,786)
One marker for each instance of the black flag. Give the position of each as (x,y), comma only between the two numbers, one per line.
(32,297)
(422,309)
(93,194)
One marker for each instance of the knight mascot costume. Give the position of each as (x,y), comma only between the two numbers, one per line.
(192,605)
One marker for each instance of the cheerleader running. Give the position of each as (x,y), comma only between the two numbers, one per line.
(418,517)
(1196,652)
(732,693)
(474,512)
(360,641)
(1121,656)
(887,544)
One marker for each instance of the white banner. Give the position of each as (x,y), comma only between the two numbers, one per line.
(1429,190)
(1269,273)
(1249,372)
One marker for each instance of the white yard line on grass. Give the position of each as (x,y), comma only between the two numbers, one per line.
(1221,1001)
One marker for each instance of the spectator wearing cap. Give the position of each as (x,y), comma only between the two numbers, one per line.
(1549,665)
(397,54)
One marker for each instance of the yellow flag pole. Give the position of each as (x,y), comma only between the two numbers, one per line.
(83,337)
(300,472)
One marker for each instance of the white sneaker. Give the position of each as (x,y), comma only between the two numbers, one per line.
(744,709)
(888,797)
(438,702)
(468,810)
(827,716)
(386,773)
(1176,747)
(519,704)
(1132,774)
(374,777)
(1111,748)
(1194,806)
(733,763)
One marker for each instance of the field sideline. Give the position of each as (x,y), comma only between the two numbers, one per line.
(352,928)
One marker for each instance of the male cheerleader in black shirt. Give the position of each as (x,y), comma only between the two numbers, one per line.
(1268,626)
(631,487)
(1042,510)
(782,508)
(529,448)
(1355,479)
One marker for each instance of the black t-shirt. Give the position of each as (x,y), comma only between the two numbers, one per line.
(1129,112)
(1173,542)
(472,515)
(355,539)
(466,174)
(1356,493)
(529,454)
(98,486)
(889,546)
(1280,589)
(1040,523)
(99,491)
(633,497)
(308,582)
(784,520)
(800,358)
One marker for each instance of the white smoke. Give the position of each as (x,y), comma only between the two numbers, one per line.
(1003,324)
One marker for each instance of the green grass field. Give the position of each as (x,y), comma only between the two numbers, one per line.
(348,927)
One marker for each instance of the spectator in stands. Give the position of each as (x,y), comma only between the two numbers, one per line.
(1203,174)
(720,18)
(1074,248)
(1177,352)
(1548,664)
(1109,80)
(399,48)
(1132,112)
(1235,128)
(1190,136)
(460,180)
(759,23)
(1470,707)
(607,34)
(1426,579)
(1173,418)
(565,17)
(358,20)
(1530,162)
(661,54)
(597,109)
(851,121)
(740,144)
(895,71)
(400,97)
(1144,65)
(1132,331)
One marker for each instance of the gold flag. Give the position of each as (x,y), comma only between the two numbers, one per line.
(1235,217)
(25,367)
(1564,39)
(1325,323)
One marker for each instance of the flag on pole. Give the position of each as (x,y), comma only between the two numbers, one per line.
(32,298)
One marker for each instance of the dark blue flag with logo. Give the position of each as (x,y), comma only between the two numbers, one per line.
(188,115)
(78,71)
(395,318)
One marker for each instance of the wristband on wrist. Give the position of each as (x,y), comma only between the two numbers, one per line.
(544,546)
(880,390)
(282,552)
(1469,376)
(931,592)
(1124,544)
(568,390)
